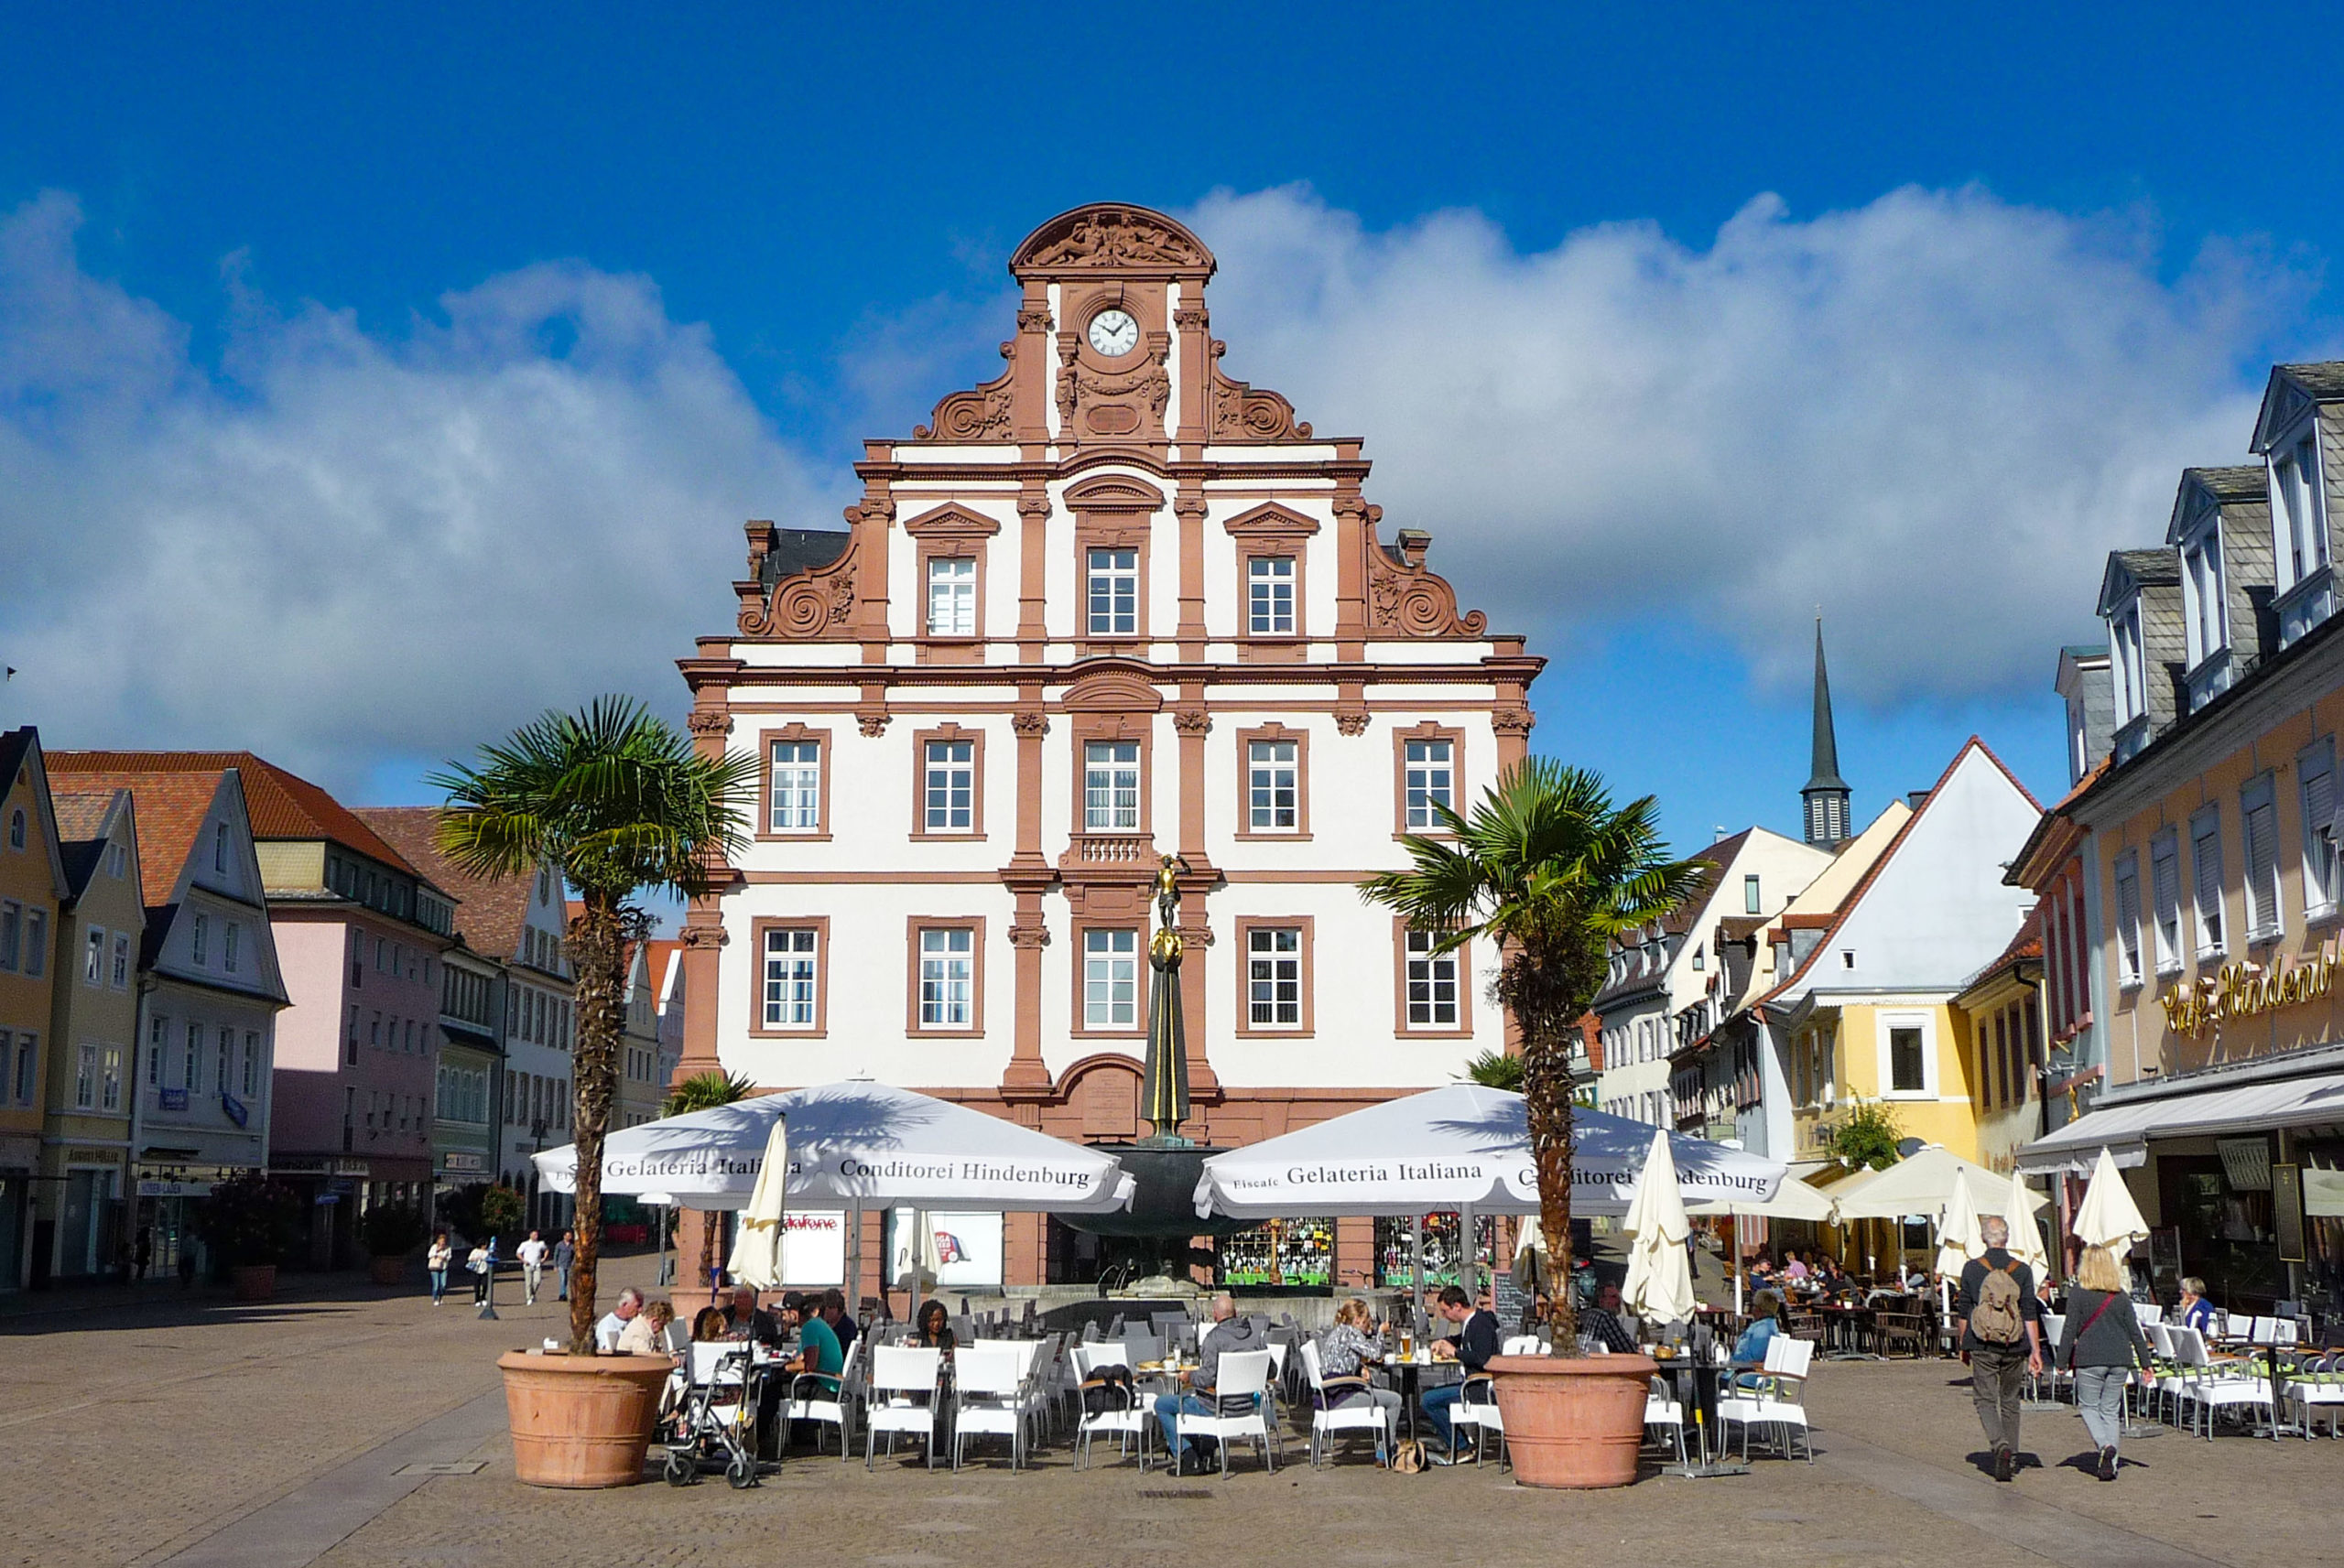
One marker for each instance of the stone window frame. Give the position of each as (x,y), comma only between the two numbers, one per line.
(1112,511)
(1080,1026)
(1086,728)
(950,532)
(949,732)
(914,925)
(820,926)
(1246,926)
(1463,1028)
(1429,730)
(800,733)
(1273,731)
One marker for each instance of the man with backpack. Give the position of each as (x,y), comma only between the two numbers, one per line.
(2001,1338)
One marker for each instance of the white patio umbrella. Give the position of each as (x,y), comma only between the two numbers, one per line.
(1957,1235)
(2026,1237)
(2109,1216)
(852,1144)
(1924,1185)
(1463,1147)
(756,1250)
(1660,1274)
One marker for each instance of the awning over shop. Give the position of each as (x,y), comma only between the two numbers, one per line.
(2124,1130)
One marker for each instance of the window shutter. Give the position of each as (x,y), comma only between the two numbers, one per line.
(2127,920)
(2320,832)
(2165,863)
(2206,854)
(2262,865)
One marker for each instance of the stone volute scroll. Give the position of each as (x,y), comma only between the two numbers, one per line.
(1404,598)
(813,603)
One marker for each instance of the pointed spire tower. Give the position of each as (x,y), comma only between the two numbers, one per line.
(1826,795)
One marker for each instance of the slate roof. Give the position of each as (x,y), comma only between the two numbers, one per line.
(798,550)
(2149,566)
(282,804)
(2324,379)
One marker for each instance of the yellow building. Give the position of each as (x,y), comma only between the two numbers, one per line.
(1868,1015)
(32,892)
(2002,1031)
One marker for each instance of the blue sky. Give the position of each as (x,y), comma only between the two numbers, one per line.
(321,334)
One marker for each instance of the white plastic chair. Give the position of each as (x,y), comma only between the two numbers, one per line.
(1328,1420)
(2212,1387)
(2054,1325)
(2317,1387)
(1477,1407)
(988,1389)
(2148,1313)
(1243,1394)
(899,1374)
(1663,1411)
(812,1398)
(1779,1401)
(1523,1345)
(1129,1427)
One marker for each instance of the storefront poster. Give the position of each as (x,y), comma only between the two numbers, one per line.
(813,1248)
(2287,1211)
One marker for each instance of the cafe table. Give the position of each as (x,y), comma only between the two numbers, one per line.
(1405,1374)
(1698,1385)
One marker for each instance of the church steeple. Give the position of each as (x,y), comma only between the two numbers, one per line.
(1826,795)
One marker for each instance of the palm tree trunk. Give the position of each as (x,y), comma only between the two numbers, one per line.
(598,947)
(1546,1095)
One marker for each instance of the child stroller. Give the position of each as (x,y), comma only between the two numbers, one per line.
(714,1423)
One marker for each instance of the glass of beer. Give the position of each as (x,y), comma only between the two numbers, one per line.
(1407,1345)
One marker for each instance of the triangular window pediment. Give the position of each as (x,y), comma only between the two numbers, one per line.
(1271,521)
(952,521)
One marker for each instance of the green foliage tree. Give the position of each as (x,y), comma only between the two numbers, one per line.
(1495,1070)
(502,1209)
(1869,1137)
(392,1229)
(250,1219)
(703,1091)
(1548,872)
(621,803)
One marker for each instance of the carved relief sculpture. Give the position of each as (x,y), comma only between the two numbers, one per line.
(1243,412)
(1405,599)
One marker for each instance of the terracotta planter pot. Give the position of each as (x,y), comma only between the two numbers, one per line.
(1576,1422)
(253,1281)
(581,1421)
(386,1270)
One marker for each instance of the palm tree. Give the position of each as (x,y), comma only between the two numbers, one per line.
(1547,869)
(1495,1070)
(704,1091)
(620,804)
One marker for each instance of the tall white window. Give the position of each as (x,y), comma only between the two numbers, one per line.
(1272,780)
(94,957)
(2131,683)
(2128,918)
(1113,592)
(120,960)
(191,1063)
(2303,537)
(199,935)
(226,1049)
(2258,826)
(2317,768)
(86,1079)
(158,1037)
(797,786)
(2206,874)
(950,786)
(110,1080)
(1431,983)
(1269,596)
(1111,980)
(951,596)
(1273,976)
(947,978)
(1430,778)
(220,847)
(1110,786)
(2165,895)
(27,1067)
(2202,579)
(252,1065)
(1751,903)
(790,977)
(230,940)
(1908,1067)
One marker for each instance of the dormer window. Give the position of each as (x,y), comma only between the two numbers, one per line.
(2201,589)
(2296,513)
(2131,669)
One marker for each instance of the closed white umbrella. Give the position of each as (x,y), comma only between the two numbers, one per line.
(2026,1237)
(756,1250)
(1660,1273)
(1957,1236)
(2109,1217)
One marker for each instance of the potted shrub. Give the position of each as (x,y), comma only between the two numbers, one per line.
(391,1231)
(1548,873)
(620,804)
(251,1224)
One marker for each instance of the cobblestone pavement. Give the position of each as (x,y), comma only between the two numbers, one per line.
(140,1434)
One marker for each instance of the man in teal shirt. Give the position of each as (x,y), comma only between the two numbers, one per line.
(820,1353)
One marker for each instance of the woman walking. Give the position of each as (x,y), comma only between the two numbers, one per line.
(437,1260)
(2102,1345)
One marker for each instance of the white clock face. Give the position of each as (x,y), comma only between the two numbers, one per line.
(1114,333)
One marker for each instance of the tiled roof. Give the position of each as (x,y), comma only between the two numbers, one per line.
(662,951)
(489,914)
(282,804)
(171,807)
(80,828)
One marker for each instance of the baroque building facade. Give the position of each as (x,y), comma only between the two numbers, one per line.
(1111,605)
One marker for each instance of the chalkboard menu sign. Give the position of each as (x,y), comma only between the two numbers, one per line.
(1511,1302)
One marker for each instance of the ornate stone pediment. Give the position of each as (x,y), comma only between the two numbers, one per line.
(807,604)
(1113,687)
(1113,492)
(952,521)
(1406,600)
(1243,412)
(1109,237)
(982,413)
(1272,521)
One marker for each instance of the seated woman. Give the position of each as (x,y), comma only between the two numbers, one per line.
(1344,1352)
(708,1325)
(2194,1311)
(646,1333)
(932,1330)
(1750,1350)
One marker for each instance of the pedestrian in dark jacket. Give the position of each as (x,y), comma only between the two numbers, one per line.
(2001,1338)
(2101,1344)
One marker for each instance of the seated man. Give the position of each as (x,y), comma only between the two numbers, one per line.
(746,1321)
(1475,1342)
(1607,1323)
(820,1353)
(832,1308)
(613,1322)
(1230,1334)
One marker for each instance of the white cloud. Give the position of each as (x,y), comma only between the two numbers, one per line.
(1932,415)
(350,547)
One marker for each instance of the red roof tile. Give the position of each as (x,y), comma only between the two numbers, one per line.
(491,913)
(170,805)
(282,804)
